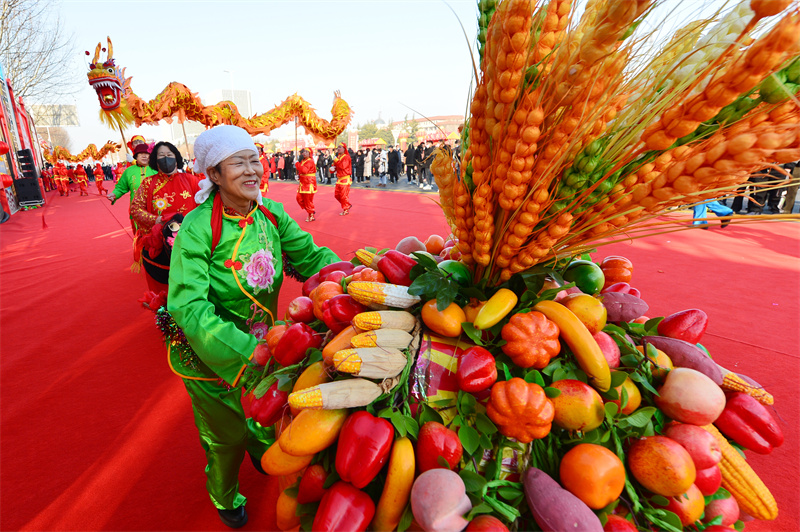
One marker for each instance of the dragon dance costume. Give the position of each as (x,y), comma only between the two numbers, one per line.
(344,170)
(307,173)
(82,179)
(98,179)
(61,179)
(225,298)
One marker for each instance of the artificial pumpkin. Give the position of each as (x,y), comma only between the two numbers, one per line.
(531,340)
(368,274)
(521,410)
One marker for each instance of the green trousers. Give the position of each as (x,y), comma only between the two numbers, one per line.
(225,435)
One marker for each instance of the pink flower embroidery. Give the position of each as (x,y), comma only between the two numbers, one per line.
(260,270)
(259,330)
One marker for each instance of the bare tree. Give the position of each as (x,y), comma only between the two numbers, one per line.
(35,51)
(57,136)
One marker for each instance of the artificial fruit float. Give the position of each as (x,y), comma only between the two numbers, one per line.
(508,378)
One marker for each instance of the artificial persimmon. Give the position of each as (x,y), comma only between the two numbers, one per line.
(592,473)
(434,244)
(368,274)
(322,293)
(616,270)
(445,322)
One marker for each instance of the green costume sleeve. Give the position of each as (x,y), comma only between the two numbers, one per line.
(124,184)
(220,344)
(304,255)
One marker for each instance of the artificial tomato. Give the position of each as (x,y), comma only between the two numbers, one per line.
(586,275)
(368,274)
(445,322)
(616,269)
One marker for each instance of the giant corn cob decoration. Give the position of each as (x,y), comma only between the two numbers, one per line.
(572,141)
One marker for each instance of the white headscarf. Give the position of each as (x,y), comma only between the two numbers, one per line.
(214,146)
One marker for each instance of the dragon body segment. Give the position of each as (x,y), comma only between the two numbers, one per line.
(121,107)
(59,153)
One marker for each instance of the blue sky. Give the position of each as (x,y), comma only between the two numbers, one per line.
(384,56)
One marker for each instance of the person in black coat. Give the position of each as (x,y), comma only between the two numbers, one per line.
(394,164)
(359,163)
(411,157)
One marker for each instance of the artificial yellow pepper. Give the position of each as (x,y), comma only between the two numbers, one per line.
(497,308)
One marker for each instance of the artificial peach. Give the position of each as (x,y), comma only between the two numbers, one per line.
(689,396)
(588,309)
(410,244)
(578,406)
(661,465)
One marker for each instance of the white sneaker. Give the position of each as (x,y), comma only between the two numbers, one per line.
(421,185)
(426,187)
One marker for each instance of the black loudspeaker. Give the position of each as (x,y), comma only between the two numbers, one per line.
(26,164)
(28,192)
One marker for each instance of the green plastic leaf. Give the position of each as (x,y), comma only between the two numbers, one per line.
(412,427)
(641,417)
(484,424)
(659,500)
(629,361)
(405,519)
(425,260)
(617,378)
(551,392)
(486,442)
(470,439)
(473,333)
(611,410)
(651,325)
(399,422)
(481,508)
(429,414)
(533,376)
(314,356)
(508,494)
(285,383)
(473,482)
(332,478)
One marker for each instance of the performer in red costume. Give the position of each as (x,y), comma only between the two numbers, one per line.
(70,177)
(99,176)
(82,180)
(262,157)
(343,167)
(62,181)
(307,172)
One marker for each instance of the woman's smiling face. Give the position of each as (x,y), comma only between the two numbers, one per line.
(239,176)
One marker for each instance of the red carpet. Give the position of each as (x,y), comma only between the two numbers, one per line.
(97,434)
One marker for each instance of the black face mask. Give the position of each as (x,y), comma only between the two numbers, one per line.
(167,164)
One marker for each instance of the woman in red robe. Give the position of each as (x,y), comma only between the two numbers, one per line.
(344,169)
(307,174)
(158,199)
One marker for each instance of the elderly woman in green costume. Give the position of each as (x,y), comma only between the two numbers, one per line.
(228,263)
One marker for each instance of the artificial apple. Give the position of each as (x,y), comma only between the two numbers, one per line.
(588,309)
(336,276)
(708,480)
(261,354)
(609,348)
(687,325)
(301,309)
(699,443)
(728,508)
(689,396)
(434,441)
(486,523)
(615,523)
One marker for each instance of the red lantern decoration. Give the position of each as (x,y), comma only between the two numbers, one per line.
(3,148)
(7,180)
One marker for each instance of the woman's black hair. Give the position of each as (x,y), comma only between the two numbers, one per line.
(154,159)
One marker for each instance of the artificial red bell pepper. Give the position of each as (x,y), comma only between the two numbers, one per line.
(342,266)
(269,408)
(339,311)
(364,445)
(749,423)
(294,343)
(311,283)
(476,370)
(396,267)
(312,484)
(343,507)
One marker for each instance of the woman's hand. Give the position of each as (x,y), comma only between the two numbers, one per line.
(158,219)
